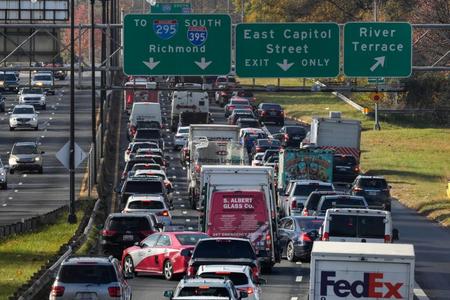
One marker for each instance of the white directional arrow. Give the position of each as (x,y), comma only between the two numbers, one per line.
(379,62)
(285,65)
(203,64)
(151,64)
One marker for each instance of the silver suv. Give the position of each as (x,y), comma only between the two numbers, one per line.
(97,278)
(25,156)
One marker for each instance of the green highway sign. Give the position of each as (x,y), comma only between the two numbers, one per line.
(287,50)
(171,8)
(177,44)
(377,49)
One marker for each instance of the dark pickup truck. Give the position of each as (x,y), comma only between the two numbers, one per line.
(224,251)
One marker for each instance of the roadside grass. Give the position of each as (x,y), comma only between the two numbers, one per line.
(413,155)
(22,255)
(271,81)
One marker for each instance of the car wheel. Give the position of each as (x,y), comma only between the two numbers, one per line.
(290,252)
(168,270)
(128,267)
(41,170)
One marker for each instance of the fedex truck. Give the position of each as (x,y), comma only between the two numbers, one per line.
(363,271)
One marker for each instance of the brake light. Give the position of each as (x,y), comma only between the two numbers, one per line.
(357,169)
(129,98)
(106,232)
(223,273)
(191,271)
(164,213)
(114,291)
(57,291)
(133,130)
(294,204)
(282,113)
(305,212)
(305,237)
(231,107)
(128,151)
(197,168)
(167,184)
(146,232)
(124,174)
(286,136)
(387,238)
(268,240)
(326,236)
(248,290)
(357,189)
(255,272)
(259,149)
(264,113)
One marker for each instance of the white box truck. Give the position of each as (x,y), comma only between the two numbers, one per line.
(239,201)
(342,135)
(363,271)
(187,101)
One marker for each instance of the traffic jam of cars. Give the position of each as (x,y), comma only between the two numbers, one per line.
(263,190)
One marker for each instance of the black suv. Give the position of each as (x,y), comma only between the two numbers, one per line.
(124,230)
(271,112)
(291,136)
(313,200)
(374,189)
(345,168)
(9,82)
(224,251)
(145,185)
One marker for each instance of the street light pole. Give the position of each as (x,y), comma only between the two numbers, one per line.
(93,106)
(103,76)
(72,218)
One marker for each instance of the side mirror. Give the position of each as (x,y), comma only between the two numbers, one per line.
(395,235)
(186,252)
(168,294)
(243,294)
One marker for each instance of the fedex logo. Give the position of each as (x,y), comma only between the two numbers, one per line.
(372,286)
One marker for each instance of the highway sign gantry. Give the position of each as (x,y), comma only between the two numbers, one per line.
(287,50)
(377,49)
(177,44)
(171,8)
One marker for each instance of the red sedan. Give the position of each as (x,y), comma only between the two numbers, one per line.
(163,253)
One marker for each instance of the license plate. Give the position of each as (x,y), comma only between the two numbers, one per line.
(128,237)
(343,168)
(372,193)
(86,296)
(296,138)
(272,113)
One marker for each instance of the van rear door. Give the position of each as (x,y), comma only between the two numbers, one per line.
(357,228)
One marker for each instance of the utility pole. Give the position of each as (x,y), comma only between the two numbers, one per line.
(103,76)
(93,104)
(377,125)
(72,218)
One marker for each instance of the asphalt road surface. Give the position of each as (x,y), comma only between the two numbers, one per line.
(290,281)
(31,194)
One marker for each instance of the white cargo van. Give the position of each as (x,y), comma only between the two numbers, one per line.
(147,112)
(188,101)
(363,271)
(358,225)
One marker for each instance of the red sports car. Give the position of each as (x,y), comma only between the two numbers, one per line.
(163,253)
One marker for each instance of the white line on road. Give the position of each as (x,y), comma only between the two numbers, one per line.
(294,298)
(16,191)
(419,293)
(298,262)
(20,183)
(188,220)
(10,198)
(190,228)
(184,212)
(4,204)
(182,205)
(299,279)
(24,175)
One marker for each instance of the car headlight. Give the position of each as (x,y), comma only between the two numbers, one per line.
(39,83)
(42,98)
(2,83)
(2,174)
(37,158)
(34,118)
(12,161)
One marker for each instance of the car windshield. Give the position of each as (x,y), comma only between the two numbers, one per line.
(143,187)
(236,278)
(344,160)
(296,130)
(146,204)
(309,224)
(224,248)
(357,226)
(138,146)
(128,223)
(190,239)
(343,202)
(204,291)
(373,183)
(271,106)
(32,91)
(146,167)
(87,273)
(306,189)
(23,111)
(183,130)
(43,77)
(147,173)
(8,77)
(24,149)
(313,200)
(148,134)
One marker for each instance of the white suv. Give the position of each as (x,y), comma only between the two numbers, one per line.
(34,96)
(43,80)
(23,116)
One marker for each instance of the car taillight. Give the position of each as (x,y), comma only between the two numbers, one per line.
(106,232)
(248,290)
(259,149)
(146,232)
(294,204)
(57,291)
(282,113)
(191,271)
(128,151)
(356,169)
(268,239)
(124,174)
(305,212)
(167,184)
(255,272)
(263,113)
(357,189)
(197,168)
(286,136)
(387,238)
(305,237)
(133,130)
(326,236)
(231,107)
(164,213)
(129,98)
(114,291)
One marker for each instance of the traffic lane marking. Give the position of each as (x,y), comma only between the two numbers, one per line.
(299,279)
(419,293)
